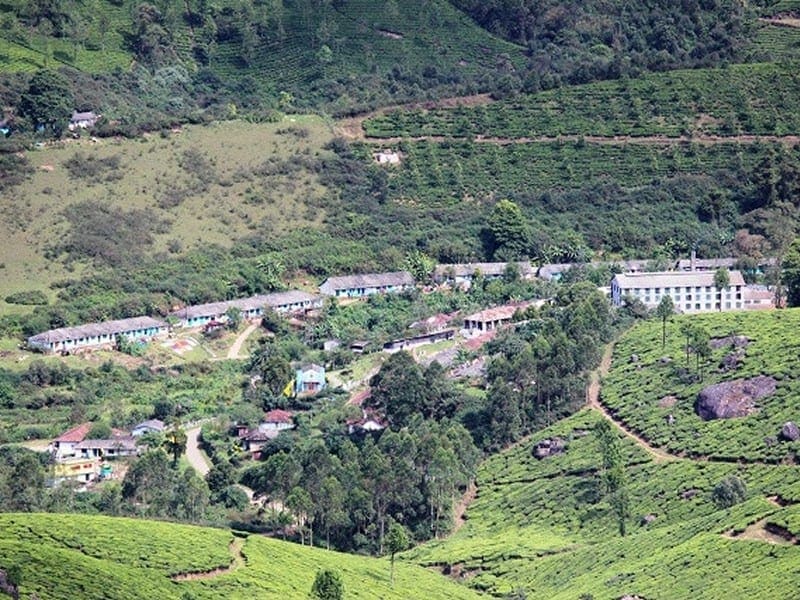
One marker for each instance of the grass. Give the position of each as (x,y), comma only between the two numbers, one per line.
(634,391)
(237,199)
(116,558)
(543,527)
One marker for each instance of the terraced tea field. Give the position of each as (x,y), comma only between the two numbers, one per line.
(643,393)
(64,556)
(543,527)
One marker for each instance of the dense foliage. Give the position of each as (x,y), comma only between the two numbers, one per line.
(575,41)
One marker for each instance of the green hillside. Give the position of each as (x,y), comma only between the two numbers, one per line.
(741,99)
(545,529)
(93,557)
(341,55)
(636,391)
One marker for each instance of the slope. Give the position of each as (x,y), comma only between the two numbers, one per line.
(545,529)
(111,558)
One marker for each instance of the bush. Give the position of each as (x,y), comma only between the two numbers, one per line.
(328,585)
(729,492)
(29,297)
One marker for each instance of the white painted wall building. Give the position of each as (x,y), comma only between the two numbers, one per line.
(691,292)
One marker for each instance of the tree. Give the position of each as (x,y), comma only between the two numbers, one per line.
(722,280)
(613,472)
(175,444)
(48,102)
(300,503)
(328,585)
(509,231)
(728,492)
(234,318)
(665,309)
(398,388)
(396,541)
(790,273)
(420,265)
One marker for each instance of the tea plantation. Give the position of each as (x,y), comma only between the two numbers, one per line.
(751,98)
(544,528)
(644,392)
(93,557)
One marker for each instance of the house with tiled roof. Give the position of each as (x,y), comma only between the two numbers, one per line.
(64,445)
(493,318)
(277,420)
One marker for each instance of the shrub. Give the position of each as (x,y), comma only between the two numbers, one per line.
(729,492)
(29,297)
(328,585)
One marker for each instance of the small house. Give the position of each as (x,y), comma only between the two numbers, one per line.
(64,445)
(369,422)
(255,440)
(83,120)
(149,426)
(292,302)
(309,379)
(111,448)
(277,420)
(493,318)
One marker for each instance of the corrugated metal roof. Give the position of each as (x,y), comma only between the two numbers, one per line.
(110,328)
(275,300)
(491,269)
(369,280)
(666,279)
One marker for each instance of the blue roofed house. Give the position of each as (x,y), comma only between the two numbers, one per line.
(309,379)
(361,286)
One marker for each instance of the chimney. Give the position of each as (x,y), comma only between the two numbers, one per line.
(693,261)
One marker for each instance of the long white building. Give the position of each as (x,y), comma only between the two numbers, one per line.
(691,292)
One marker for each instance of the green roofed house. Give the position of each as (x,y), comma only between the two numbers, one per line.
(98,335)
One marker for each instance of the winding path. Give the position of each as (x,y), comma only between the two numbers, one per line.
(236,347)
(196,457)
(593,402)
(237,560)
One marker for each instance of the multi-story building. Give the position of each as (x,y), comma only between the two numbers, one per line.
(691,292)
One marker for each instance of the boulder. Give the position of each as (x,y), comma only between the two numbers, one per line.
(549,447)
(647,519)
(665,360)
(732,399)
(689,494)
(790,432)
(634,358)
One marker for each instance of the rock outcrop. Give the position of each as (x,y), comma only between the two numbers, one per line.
(732,399)
(790,432)
(549,447)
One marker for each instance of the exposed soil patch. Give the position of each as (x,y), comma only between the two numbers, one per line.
(463,504)
(788,20)
(764,531)
(667,402)
(390,34)
(237,561)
